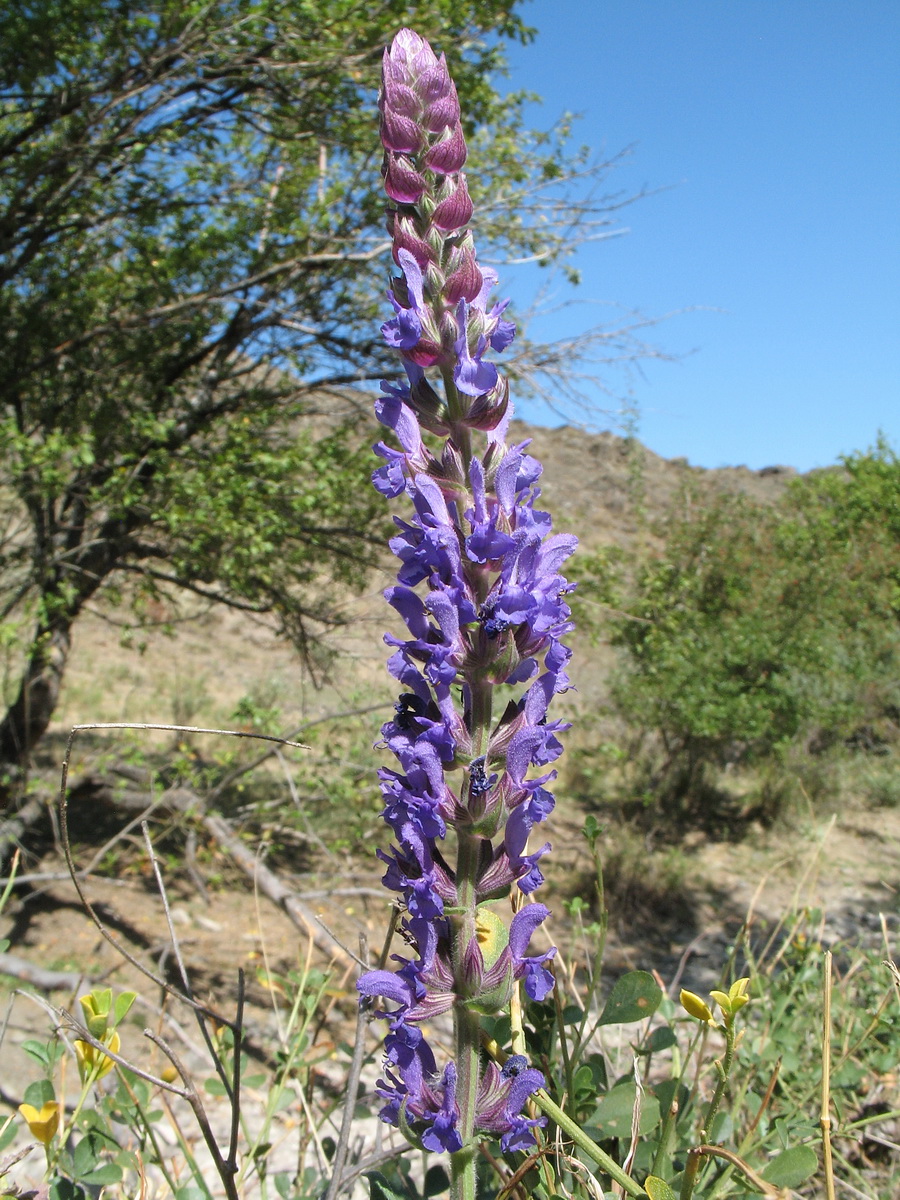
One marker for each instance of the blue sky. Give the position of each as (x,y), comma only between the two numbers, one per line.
(772,128)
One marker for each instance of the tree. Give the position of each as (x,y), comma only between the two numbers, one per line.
(192,256)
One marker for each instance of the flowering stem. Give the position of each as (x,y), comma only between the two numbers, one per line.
(462,1163)
(456,411)
(491,611)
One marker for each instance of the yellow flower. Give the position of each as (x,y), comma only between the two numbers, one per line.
(96,1006)
(44,1123)
(93,1063)
(735,998)
(695,1007)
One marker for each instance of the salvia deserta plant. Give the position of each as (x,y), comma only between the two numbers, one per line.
(484,656)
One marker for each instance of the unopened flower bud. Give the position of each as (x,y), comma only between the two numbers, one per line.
(455,210)
(434,83)
(464,283)
(695,1007)
(488,410)
(399,133)
(400,99)
(443,112)
(428,407)
(402,181)
(449,155)
(404,237)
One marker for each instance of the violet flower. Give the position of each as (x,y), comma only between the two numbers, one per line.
(480,593)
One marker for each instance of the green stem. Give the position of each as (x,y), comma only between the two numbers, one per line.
(689,1179)
(460,434)
(583,1142)
(564,1045)
(724,1070)
(466,1024)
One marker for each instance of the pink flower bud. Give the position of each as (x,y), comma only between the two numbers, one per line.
(434,83)
(464,283)
(449,155)
(401,181)
(405,237)
(424,354)
(410,53)
(392,71)
(443,112)
(400,134)
(488,410)
(455,210)
(399,98)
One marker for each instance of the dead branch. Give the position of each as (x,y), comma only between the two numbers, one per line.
(14,828)
(41,977)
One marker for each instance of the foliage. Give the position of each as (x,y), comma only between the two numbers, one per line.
(187,194)
(758,626)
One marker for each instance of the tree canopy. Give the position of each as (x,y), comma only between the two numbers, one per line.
(193,256)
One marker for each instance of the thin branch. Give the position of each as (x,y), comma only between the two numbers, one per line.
(182,969)
(223,1169)
(351,1090)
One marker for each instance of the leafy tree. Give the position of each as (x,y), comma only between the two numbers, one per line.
(757,624)
(192,263)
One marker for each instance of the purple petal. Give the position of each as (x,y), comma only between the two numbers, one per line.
(385,984)
(522,927)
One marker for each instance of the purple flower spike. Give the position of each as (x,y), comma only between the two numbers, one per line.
(479,603)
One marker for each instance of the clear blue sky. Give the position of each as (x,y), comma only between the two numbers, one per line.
(774,128)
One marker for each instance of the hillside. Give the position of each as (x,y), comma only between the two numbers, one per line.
(602,487)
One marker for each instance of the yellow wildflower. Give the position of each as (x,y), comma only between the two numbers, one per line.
(42,1122)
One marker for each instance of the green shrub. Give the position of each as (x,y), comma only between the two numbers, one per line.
(756,627)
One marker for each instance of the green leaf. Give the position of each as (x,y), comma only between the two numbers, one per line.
(381,1188)
(8,1134)
(86,1156)
(635,996)
(660,1039)
(792,1167)
(37,1051)
(108,1173)
(437,1181)
(658,1189)
(65,1189)
(123,1003)
(613,1115)
(39,1093)
(722,1128)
